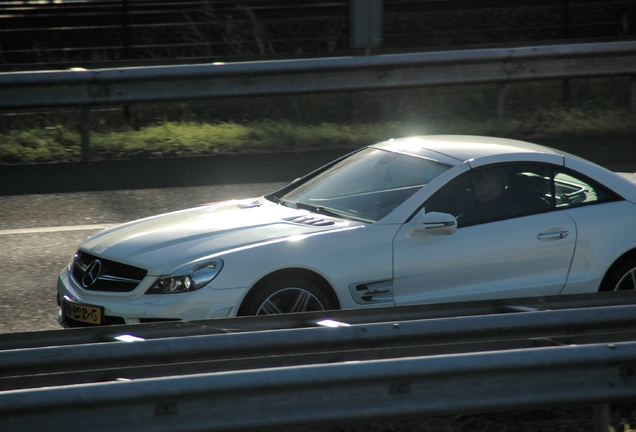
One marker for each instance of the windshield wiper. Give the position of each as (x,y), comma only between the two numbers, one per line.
(321,210)
(278,200)
(330,212)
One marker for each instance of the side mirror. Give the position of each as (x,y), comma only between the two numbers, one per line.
(436,223)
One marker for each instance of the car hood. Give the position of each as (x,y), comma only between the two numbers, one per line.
(164,243)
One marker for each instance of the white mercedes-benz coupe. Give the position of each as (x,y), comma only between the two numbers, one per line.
(407,221)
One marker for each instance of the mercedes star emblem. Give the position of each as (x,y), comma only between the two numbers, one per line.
(92,273)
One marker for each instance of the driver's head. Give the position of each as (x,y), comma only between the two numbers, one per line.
(489,184)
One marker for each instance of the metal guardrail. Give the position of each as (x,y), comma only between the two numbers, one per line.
(89,33)
(328,393)
(217,80)
(311,376)
(172,329)
(94,362)
(127,86)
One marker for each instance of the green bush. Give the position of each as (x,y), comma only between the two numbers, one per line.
(39,145)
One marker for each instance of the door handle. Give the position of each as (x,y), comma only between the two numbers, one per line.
(553,235)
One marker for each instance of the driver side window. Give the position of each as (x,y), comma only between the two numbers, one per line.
(494,193)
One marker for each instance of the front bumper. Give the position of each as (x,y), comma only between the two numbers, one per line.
(137,307)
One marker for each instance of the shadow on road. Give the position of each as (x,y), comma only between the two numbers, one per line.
(160,173)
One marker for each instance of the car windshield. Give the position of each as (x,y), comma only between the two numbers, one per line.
(366,186)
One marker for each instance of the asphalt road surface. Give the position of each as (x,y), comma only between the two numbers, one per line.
(47,210)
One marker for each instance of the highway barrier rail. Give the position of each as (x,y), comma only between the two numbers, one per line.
(216,80)
(339,371)
(170,329)
(135,85)
(326,393)
(67,33)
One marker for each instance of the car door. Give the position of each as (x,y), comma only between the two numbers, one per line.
(516,253)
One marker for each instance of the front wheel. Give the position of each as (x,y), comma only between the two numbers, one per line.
(287,296)
(622,278)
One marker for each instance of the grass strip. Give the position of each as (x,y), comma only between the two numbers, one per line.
(174,139)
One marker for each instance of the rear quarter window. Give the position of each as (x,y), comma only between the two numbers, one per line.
(571,190)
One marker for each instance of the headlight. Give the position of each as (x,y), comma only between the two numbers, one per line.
(188,278)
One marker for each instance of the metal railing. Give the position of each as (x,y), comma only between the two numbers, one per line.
(331,393)
(94,362)
(95,33)
(172,329)
(314,376)
(177,83)
(87,88)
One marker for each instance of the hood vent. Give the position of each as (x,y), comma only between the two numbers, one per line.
(310,220)
(248,204)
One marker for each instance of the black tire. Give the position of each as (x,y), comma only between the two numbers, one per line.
(287,295)
(621,278)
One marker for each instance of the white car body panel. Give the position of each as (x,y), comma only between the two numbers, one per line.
(196,305)
(366,258)
(607,231)
(373,263)
(510,261)
(164,243)
(465,147)
(185,235)
(631,177)
(617,183)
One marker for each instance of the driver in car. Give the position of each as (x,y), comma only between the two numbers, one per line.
(491,199)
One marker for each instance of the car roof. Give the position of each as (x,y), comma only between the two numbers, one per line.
(456,149)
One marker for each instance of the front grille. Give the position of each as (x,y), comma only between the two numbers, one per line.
(98,274)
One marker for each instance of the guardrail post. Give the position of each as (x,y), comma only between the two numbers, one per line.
(601,417)
(85,130)
(632,94)
(566,93)
(365,21)
(125,29)
(565,17)
(501,103)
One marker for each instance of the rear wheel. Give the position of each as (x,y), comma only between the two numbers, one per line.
(622,278)
(287,296)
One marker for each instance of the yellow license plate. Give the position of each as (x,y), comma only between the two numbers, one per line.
(84,313)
